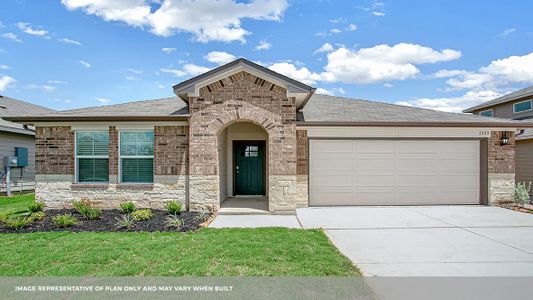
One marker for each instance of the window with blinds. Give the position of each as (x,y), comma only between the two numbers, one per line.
(92,156)
(137,156)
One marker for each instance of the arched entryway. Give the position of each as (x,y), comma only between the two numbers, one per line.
(243,167)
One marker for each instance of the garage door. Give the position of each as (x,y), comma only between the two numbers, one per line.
(392,172)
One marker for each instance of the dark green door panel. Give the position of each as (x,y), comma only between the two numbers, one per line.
(249,167)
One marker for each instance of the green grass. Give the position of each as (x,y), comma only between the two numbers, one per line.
(16,205)
(207,252)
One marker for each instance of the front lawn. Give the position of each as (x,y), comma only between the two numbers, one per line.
(207,252)
(15,205)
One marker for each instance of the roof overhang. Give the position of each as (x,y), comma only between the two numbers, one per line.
(16,130)
(420,124)
(191,88)
(32,119)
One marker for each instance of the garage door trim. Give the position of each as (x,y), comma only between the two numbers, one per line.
(483,159)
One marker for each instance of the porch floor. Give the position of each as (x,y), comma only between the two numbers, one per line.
(244,205)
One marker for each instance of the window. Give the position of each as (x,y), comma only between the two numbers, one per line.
(92,156)
(137,156)
(251,151)
(522,106)
(487,113)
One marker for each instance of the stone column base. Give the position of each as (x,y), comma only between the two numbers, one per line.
(282,193)
(204,193)
(500,188)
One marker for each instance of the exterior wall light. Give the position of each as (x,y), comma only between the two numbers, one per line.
(504,140)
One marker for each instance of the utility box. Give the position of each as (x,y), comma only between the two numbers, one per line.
(10,161)
(22,156)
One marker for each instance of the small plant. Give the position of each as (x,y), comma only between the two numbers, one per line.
(142,215)
(85,209)
(174,221)
(125,222)
(65,220)
(127,207)
(17,223)
(202,215)
(521,193)
(36,216)
(173,207)
(36,207)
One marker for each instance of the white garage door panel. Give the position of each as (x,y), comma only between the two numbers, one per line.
(388,172)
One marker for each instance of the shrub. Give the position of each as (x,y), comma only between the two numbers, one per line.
(125,222)
(521,193)
(142,215)
(127,207)
(202,216)
(174,221)
(85,209)
(17,223)
(37,216)
(36,207)
(173,207)
(65,220)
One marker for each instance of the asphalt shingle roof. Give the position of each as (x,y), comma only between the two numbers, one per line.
(525,92)
(323,108)
(12,107)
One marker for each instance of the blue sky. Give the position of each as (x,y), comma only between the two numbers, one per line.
(444,55)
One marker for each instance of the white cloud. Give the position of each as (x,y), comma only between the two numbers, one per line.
(168,50)
(378,13)
(453,104)
(335,30)
(44,88)
(351,27)
(25,27)
(103,100)
(194,70)
(382,62)
(301,74)
(206,20)
(176,72)
(69,41)
(507,32)
(57,82)
(327,47)
(263,45)
(4,67)
(134,71)
(338,20)
(85,64)
(219,57)
(11,36)
(130,78)
(5,82)
(324,91)
(512,69)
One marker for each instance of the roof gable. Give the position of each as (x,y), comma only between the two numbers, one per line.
(525,92)
(191,87)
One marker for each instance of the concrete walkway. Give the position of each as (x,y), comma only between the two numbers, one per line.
(429,241)
(254,221)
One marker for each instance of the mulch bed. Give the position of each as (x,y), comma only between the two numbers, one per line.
(528,208)
(107,222)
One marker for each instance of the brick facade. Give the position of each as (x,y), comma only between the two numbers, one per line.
(501,157)
(302,152)
(171,150)
(54,150)
(113,151)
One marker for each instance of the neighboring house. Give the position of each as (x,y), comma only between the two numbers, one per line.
(244,130)
(14,135)
(517,105)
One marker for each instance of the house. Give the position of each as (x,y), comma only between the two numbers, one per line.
(242,130)
(517,106)
(16,138)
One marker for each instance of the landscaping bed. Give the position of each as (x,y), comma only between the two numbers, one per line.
(108,222)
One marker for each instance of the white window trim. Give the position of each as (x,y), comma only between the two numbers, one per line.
(491,110)
(120,156)
(517,112)
(76,156)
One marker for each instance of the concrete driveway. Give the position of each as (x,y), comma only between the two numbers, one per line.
(429,240)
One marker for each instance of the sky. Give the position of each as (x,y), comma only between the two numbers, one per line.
(444,55)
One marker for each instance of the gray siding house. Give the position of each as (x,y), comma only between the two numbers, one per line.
(517,105)
(13,135)
(242,133)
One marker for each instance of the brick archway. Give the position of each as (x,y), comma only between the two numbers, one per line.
(205,127)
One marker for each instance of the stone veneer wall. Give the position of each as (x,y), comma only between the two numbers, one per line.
(242,97)
(501,168)
(55,178)
(302,178)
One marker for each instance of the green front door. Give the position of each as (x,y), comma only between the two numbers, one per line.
(249,167)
